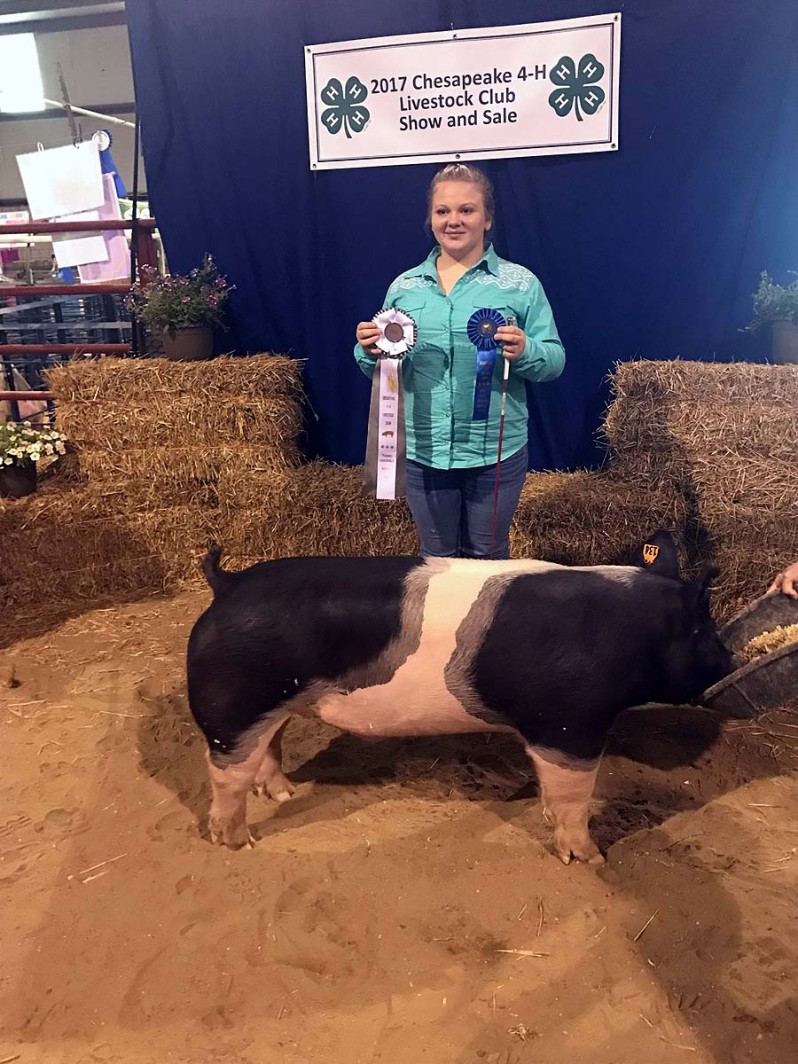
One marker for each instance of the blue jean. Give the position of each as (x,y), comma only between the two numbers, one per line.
(453,508)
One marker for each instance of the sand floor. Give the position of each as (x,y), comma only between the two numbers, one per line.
(403,907)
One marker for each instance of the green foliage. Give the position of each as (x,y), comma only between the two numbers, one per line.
(22,442)
(773,302)
(174,301)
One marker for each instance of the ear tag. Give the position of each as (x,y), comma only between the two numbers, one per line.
(650,553)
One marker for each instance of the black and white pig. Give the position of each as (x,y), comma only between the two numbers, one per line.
(403,646)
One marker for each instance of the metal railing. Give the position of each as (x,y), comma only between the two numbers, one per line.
(143,253)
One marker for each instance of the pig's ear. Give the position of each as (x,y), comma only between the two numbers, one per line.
(708,578)
(699,591)
(659,555)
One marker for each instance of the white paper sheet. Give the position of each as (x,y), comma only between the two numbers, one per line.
(64,180)
(76,249)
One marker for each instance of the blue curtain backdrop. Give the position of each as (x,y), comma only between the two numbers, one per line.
(649,252)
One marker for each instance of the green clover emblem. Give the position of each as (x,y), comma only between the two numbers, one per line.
(344,109)
(577,86)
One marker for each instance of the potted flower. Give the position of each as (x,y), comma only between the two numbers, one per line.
(183,309)
(777,305)
(21,447)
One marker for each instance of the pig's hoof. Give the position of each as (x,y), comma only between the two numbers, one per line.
(277,787)
(235,836)
(580,850)
(586,855)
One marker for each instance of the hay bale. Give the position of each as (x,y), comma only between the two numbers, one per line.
(124,380)
(185,421)
(177,472)
(665,415)
(66,551)
(725,437)
(590,518)
(177,423)
(77,535)
(764,486)
(704,382)
(318,509)
(749,547)
(179,455)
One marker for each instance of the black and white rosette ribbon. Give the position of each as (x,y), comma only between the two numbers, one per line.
(384,474)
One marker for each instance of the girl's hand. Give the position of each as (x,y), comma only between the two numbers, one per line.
(367,334)
(513,341)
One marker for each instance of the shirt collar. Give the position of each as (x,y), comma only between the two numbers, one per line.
(489,262)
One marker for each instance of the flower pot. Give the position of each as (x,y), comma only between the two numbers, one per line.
(192,344)
(17,480)
(785,341)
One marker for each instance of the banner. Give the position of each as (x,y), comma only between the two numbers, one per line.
(546,88)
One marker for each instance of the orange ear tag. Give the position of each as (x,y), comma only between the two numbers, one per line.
(650,553)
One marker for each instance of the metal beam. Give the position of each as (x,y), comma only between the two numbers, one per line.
(90,20)
(30,11)
(63,349)
(57,112)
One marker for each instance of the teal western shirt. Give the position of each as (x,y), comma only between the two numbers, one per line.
(439,374)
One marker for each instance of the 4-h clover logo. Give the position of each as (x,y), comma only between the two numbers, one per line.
(344,110)
(577,86)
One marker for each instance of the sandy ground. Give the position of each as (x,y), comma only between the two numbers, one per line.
(404,907)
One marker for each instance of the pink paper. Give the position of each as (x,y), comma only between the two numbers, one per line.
(117,267)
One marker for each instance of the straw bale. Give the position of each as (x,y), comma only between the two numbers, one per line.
(121,380)
(665,414)
(731,428)
(708,451)
(76,532)
(707,382)
(725,438)
(768,486)
(185,421)
(749,546)
(318,509)
(589,518)
(23,614)
(120,580)
(54,530)
(67,551)
(177,469)
(227,490)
